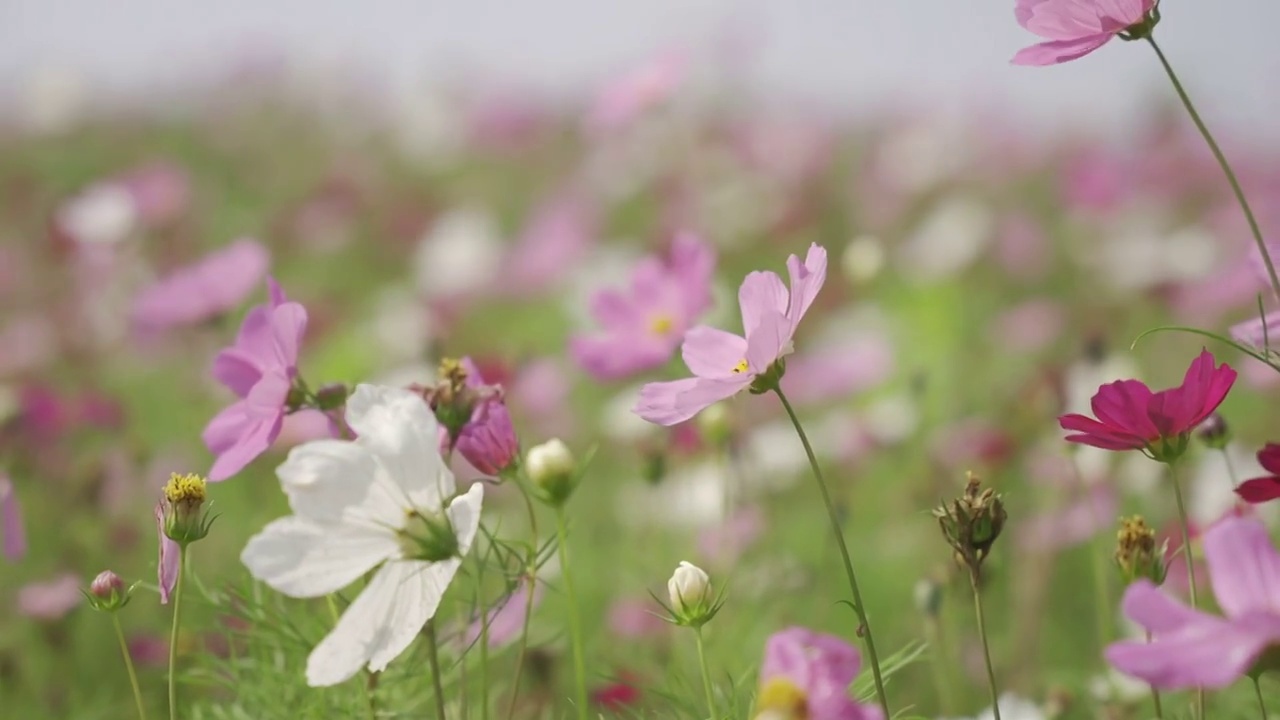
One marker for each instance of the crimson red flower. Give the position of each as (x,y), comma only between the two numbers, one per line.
(1131,417)
(622,693)
(1262,489)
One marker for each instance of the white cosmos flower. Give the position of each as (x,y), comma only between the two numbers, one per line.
(380,502)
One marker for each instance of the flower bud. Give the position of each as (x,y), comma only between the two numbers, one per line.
(689,588)
(1136,551)
(972,522)
(332,396)
(488,441)
(1214,432)
(552,470)
(183,518)
(107,592)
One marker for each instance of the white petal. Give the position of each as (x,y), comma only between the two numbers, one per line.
(399,429)
(328,480)
(303,559)
(382,622)
(464,515)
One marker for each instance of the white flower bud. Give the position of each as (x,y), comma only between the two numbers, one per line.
(551,468)
(690,590)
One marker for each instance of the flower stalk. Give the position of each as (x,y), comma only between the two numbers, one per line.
(128,666)
(575,622)
(433,656)
(986,649)
(173,634)
(1191,564)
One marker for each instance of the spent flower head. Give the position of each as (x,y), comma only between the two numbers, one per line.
(1137,554)
(972,522)
(1214,432)
(185,519)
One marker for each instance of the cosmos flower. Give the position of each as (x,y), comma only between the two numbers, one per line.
(626,98)
(1190,648)
(1131,417)
(50,600)
(260,369)
(383,503)
(806,676)
(724,364)
(1263,489)
(213,285)
(1075,28)
(642,326)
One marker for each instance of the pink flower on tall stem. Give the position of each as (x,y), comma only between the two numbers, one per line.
(1075,28)
(1131,417)
(724,364)
(13,536)
(1263,489)
(643,325)
(213,285)
(260,369)
(807,674)
(1190,648)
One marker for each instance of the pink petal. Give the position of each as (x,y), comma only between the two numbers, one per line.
(1154,610)
(1059,51)
(1058,19)
(669,403)
(288,324)
(237,370)
(806,281)
(1259,490)
(712,353)
(759,293)
(1091,432)
(11,526)
(1123,406)
(1243,567)
(167,565)
(1211,653)
(767,341)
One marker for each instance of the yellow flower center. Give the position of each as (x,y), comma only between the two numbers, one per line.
(661,324)
(741,367)
(185,489)
(780,698)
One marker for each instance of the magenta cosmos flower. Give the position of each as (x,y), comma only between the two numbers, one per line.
(1267,488)
(215,284)
(1131,417)
(806,676)
(642,325)
(724,364)
(1075,28)
(260,369)
(1190,648)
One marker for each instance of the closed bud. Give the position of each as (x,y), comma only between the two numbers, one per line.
(692,602)
(107,592)
(1136,553)
(1214,432)
(332,396)
(552,470)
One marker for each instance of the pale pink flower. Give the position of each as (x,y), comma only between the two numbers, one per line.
(50,600)
(552,243)
(725,364)
(215,284)
(1074,28)
(625,98)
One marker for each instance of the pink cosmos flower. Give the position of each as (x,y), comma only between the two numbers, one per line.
(632,618)
(643,326)
(1190,648)
(1074,28)
(506,618)
(50,600)
(630,95)
(167,562)
(1131,417)
(1266,488)
(554,240)
(13,536)
(724,364)
(260,369)
(1260,332)
(803,668)
(213,285)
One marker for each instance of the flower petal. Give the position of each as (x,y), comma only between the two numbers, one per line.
(669,403)
(237,370)
(1155,610)
(1210,653)
(334,481)
(712,353)
(1259,490)
(304,559)
(761,292)
(1243,566)
(767,341)
(1059,51)
(398,428)
(11,527)
(806,281)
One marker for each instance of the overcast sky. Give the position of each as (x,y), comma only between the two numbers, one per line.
(850,53)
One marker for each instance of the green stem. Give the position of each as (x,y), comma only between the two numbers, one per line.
(834,517)
(1222,162)
(986,651)
(433,656)
(1191,564)
(128,665)
(484,664)
(1102,592)
(1231,468)
(575,622)
(1155,692)
(173,634)
(531,565)
(938,661)
(706,676)
(1257,689)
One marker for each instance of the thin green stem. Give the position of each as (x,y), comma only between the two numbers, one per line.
(1257,689)
(706,676)
(484,665)
(575,622)
(1222,162)
(128,666)
(173,633)
(938,662)
(986,651)
(531,563)
(1155,693)
(1102,591)
(1231,467)
(834,517)
(1191,564)
(433,656)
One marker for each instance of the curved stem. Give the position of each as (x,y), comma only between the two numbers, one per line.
(531,563)
(1231,467)
(1222,162)
(706,676)
(173,633)
(575,622)
(1257,689)
(128,665)
(433,656)
(834,517)
(1191,565)
(986,651)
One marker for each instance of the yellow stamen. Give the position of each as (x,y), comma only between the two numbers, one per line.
(185,489)
(740,368)
(661,324)
(779,697)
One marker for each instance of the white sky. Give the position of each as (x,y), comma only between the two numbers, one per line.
(849,53)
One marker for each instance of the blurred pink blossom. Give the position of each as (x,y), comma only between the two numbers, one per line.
(13,535)
(161,191)
(50,600)
(625,98)
(1072,524)
(863,361)
(1022,248)
(723,544)
(506,618)
(634,618)
(1030,326)
(212,286)
(554,241)
(1074,28)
